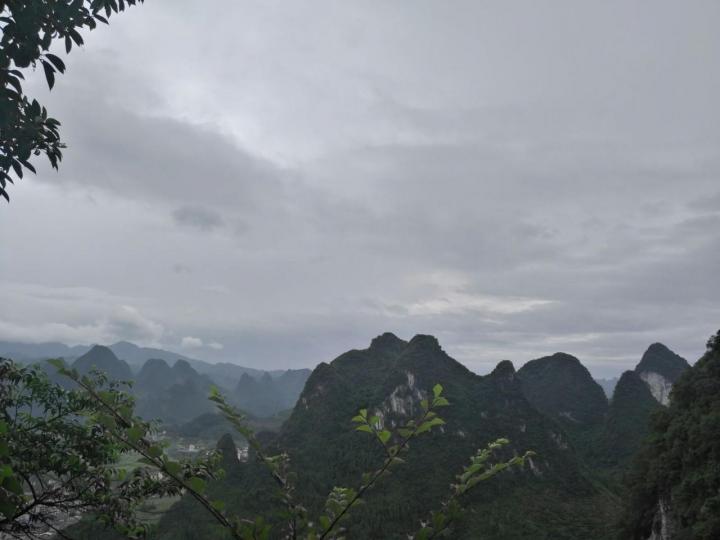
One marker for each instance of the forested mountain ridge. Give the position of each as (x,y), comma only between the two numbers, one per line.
(268,395)
(606,433)
(103,359)
(674,484)
(638,394)
(179,393)
(390,378)
(552,406)
(224,374)
(627,420)
(562,388)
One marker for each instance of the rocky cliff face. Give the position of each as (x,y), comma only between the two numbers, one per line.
(660,368)
(658,385)
(663,527)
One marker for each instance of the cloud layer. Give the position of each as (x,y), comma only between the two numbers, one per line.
(515,180)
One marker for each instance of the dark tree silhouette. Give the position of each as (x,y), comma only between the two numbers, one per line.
(29,28)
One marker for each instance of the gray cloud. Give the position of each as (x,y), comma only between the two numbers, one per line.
(515,179)
(204,219)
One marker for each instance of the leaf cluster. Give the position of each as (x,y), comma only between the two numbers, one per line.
(29,28)
(51,459)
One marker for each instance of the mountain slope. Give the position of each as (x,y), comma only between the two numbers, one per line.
(660,368)
(103,359)
(174,394)
(390,378)
(563,389)
(628,419)
(28,352)
(675,483)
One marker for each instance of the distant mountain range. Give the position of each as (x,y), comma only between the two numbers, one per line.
(169,386)
(608,385)
(224,374)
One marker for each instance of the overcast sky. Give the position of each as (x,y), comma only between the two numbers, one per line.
(273,183)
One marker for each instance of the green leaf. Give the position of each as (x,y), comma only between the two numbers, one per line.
(56,363)
(173,467)
(5,472)
(7,509)
(106,421)
(197,484)
(11,484)
(424,427)
(135,433)
(59,64)
(364,428)
(437,390)
(49,73)
(126,412)
(438,519)
(440,402)
(424,533)
(218,505)
(384,436)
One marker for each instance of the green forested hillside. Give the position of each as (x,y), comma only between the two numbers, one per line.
(558,498)
(627,422)
(674,485)
(562,388)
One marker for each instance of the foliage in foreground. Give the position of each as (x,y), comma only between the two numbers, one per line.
(104,415)
(29,29)
(59,450)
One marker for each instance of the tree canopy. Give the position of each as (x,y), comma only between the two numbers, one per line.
(29,29)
